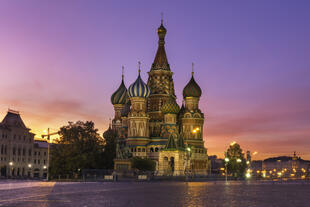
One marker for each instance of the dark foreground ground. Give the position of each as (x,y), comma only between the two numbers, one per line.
(210,194)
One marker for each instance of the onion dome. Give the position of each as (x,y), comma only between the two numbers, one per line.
(192,89)
(120,95)
(170,107)
(139,88)
(161,31)
(125,111)
(109,133)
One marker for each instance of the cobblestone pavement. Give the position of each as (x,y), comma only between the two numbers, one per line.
(210,194)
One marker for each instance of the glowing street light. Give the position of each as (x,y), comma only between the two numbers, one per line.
(29,165)
(239,160)
(11,163)
(233,143)
(226,159)
(248,175)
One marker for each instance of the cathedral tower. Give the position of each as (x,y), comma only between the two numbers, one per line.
(118,99)
(192,118)
(160,83)
(138,120)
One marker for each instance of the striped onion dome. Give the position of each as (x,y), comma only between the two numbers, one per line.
(192,89)
(139,89)
(120,95)
(170,107)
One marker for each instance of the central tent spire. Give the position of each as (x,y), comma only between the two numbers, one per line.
(160,61)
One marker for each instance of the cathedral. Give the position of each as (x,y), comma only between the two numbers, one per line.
(149,123)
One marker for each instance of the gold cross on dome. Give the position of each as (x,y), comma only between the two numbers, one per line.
(192,68)
(139,66)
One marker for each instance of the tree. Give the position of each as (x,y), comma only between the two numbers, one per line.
(79,147)
(143,164)
(109,153)
(237,163)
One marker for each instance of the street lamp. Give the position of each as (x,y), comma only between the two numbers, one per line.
(226,162)
(11,168)
(188,154)
(29,165)
(239,160)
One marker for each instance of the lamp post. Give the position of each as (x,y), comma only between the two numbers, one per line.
(29,171)
(48,153)
(226,163)
(188,149)
(11,167)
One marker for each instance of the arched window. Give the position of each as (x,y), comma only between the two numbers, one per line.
(139,149)
(152,149)
(156,149)
(143,149)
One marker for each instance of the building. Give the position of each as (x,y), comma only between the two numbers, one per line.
(147,115)
(283,166)
(20,155)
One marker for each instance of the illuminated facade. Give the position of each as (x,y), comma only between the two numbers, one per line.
(20,154)
(153,125)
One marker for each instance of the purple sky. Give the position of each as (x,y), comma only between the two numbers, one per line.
(61,61)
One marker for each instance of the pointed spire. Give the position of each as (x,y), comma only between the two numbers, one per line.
(171,143)
(122,72)
(181,144)
(192,69)
(162,18)
(160,61)
(139,63)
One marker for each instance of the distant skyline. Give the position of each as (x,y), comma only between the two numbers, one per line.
(61,61)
